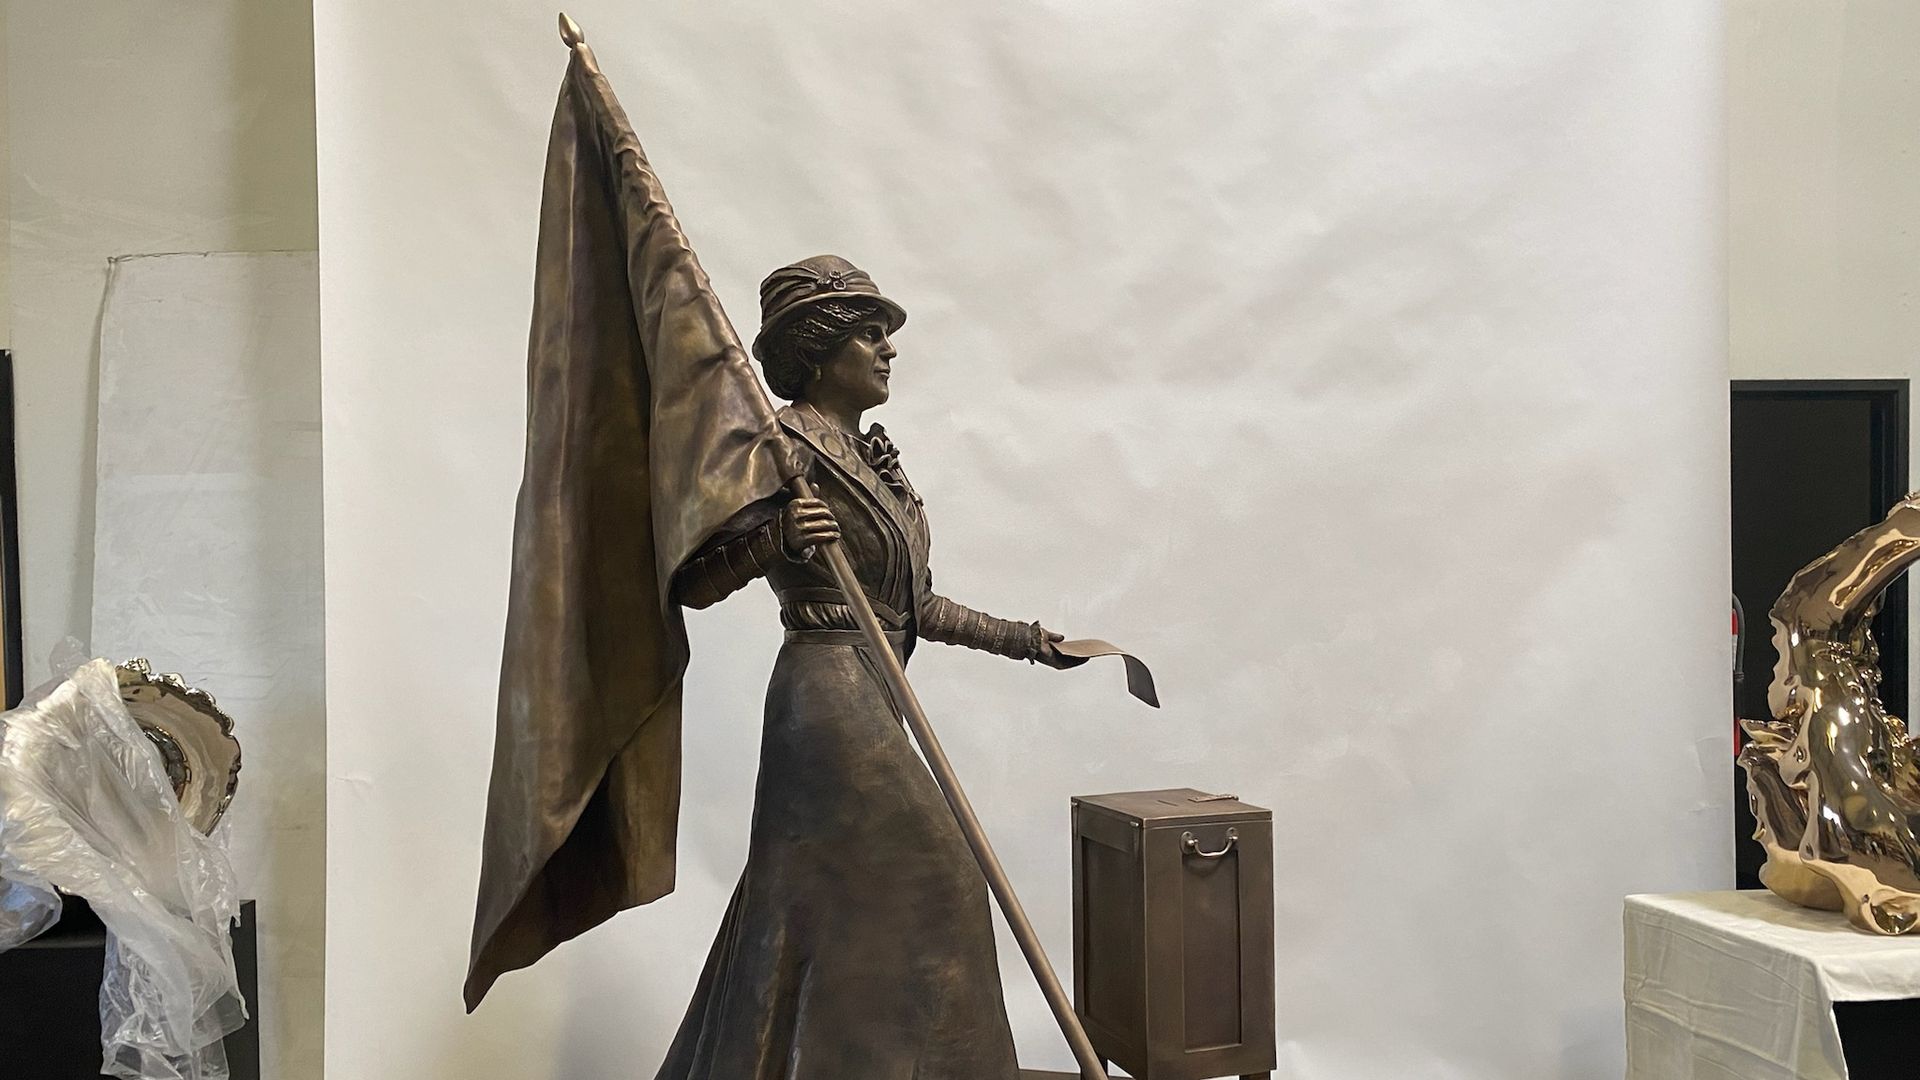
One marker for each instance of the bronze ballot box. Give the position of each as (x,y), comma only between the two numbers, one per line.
(1173,932)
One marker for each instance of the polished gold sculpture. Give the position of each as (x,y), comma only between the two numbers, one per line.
(1832,777)
(193,735)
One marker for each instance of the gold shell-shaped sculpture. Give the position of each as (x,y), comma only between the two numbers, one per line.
(194,737)
(1832,777)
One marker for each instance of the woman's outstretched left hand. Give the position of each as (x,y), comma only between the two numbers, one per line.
(1051,656)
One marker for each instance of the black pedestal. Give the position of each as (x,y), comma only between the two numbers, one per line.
(50,1000)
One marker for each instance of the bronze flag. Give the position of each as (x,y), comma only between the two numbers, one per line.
(646,433)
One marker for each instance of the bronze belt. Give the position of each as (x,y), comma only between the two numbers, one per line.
(809,609)
(895,638)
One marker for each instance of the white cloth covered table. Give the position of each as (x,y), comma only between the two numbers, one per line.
(1741,986)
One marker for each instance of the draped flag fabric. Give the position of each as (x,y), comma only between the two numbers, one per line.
(647,433)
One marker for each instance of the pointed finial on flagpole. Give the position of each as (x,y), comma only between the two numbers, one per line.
(570,32)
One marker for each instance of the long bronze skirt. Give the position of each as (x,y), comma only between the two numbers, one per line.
(858,944)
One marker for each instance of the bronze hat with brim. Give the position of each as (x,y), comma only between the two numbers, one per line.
(789,291)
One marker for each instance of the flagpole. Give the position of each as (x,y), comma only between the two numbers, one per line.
(894,674)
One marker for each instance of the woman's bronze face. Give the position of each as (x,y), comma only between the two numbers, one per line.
(855,374)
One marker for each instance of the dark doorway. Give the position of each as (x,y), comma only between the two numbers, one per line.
(12,675)
(1814,462)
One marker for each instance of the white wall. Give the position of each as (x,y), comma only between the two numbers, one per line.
(1362,365)
(162,126)
(1824,196)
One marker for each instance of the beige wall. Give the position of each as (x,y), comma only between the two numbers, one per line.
(1824,189)
(175,125)
(6,216)
(162,126)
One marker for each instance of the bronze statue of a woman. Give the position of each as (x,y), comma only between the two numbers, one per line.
(858,943)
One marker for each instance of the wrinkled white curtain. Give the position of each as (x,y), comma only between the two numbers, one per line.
(206,561)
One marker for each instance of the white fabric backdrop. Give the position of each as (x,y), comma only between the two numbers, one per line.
(1360,364)
(207,562)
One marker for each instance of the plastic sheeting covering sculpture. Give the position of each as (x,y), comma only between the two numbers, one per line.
(1832,777)
(87,806)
